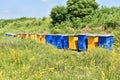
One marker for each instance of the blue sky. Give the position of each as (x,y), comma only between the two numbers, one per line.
(37,8)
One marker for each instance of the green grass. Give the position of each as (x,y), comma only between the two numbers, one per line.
(30,60)
(25,25)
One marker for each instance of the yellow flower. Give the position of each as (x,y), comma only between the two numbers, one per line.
(51,69)
(1,73)
(113,53)
(102,75)
(32,59)
(81,68)
(92,62)
(39,75)
(25,67)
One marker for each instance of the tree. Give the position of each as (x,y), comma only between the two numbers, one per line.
(58,14)
(81,8)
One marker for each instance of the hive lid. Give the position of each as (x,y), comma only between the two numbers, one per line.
(10,34)
(105,35)
(92,35)
(54,34)
(32,33)
(41,34)
(25,33)
(19,33)
(82,34)
(72,35)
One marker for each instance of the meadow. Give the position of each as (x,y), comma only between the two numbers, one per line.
(31,60)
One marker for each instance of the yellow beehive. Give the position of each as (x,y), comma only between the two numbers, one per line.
(25,36)
(19,35)
(73,42)
(40,38)
(32,36)
(92,41)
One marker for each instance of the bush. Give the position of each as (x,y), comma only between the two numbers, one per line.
(58,14)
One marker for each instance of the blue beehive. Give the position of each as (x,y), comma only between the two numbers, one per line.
(51,39)
(106,41)
(82,42)
(62,41)
(112,41)
(10,34)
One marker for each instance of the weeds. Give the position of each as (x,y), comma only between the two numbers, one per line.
(30,60)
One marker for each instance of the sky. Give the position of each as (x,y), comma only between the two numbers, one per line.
(37,8)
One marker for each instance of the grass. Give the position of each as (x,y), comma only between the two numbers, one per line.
(30,60)
(27,25)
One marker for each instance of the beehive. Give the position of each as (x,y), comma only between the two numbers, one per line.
(24,36)
(82,42)
(106,41)
(32,36)
(92,41)
(73,42)
(62,41)
(19,35)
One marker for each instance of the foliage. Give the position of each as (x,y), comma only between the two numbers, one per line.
(106,20)
(107,17)
(74,9)
(81,8)
(68,27)
(58,14)
(25,25)
(30,60)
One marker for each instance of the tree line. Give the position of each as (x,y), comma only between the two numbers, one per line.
(74,9)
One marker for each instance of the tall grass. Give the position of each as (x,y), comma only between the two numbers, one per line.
(24,25)
(30,60)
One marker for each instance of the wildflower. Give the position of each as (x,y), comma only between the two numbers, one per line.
(92,62)
(32,59)
(51,69)
(39,75)
(102,75)
(81,68)
(25,68)
(1,73)
(113,53)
